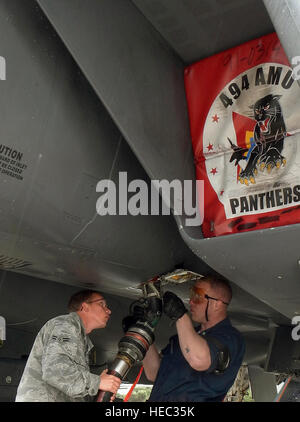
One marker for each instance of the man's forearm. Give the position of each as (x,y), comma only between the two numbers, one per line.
(194,348)
(151,363)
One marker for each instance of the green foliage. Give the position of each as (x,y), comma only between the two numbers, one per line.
(139,394)
(248,396)
(142,393)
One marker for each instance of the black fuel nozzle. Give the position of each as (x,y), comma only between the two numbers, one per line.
(153,311)
(143,310)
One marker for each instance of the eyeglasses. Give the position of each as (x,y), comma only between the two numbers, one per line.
(102,303)
(198,295)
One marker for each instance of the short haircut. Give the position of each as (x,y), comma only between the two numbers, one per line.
(220,286)
(78,298)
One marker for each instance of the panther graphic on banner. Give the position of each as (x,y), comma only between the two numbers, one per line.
(244,108)
(246,144)
(267,143)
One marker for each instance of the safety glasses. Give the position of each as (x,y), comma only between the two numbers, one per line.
(102,302)
(198,295)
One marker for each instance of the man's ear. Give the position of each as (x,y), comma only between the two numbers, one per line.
(84,307)
(217,304)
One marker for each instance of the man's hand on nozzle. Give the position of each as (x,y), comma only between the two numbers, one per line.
(149,311)
(138,314)
(173,306)
(128,322)
(109,382)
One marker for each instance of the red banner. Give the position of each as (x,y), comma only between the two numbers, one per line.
(244,108)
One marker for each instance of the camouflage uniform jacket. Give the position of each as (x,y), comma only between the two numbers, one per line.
(57,369)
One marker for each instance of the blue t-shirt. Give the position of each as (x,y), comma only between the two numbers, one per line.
(178,381)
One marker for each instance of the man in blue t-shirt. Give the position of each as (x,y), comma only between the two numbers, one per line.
(199,364)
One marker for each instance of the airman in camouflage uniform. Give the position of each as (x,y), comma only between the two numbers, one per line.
(57,369)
